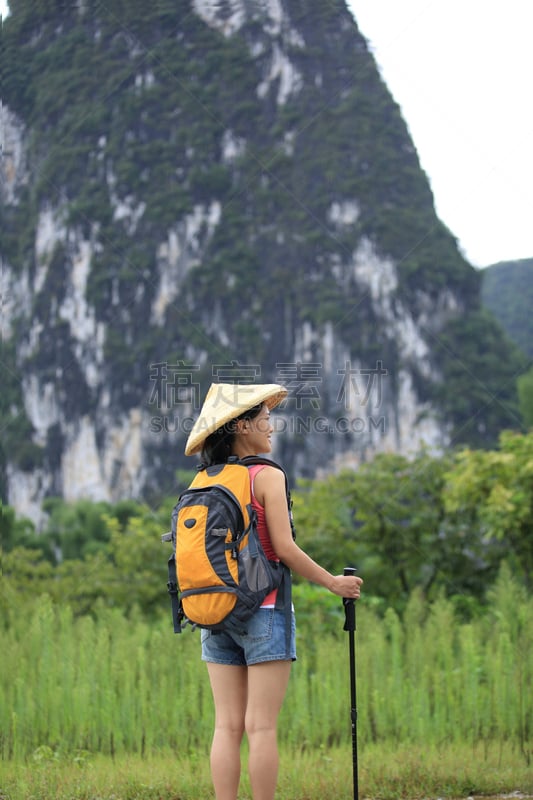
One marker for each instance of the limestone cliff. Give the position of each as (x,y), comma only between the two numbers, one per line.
(198,191)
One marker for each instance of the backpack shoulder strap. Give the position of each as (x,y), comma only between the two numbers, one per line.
(248,461)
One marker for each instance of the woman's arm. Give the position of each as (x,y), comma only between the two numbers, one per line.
(269,489)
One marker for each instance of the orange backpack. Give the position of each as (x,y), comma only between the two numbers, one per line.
(218,572)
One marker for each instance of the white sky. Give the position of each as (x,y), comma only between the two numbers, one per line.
(462,72)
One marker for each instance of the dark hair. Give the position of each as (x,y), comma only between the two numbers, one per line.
(218,446)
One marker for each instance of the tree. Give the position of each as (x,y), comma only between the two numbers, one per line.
(493,493)
(15,531)
(324,521)
(401,527)
(388,518)
(79,529)
(127,569)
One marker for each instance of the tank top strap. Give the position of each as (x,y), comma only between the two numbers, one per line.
(254,470)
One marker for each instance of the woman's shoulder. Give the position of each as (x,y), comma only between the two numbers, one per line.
(269,480)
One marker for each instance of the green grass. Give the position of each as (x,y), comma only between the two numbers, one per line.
(110,708)
(386,772)
(120,686)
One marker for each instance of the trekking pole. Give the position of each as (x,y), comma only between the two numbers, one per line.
(349,625)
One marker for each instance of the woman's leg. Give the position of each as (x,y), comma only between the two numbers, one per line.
(267,684)
(229,686)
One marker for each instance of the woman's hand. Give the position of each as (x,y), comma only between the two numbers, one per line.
(348,586)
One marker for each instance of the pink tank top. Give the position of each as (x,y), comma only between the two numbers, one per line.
(262,530)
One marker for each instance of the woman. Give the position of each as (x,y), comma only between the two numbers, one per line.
(249,673)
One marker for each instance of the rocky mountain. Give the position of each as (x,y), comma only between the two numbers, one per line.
(197,191)
(507,291)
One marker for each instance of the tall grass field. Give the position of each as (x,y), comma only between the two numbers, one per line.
(436,697)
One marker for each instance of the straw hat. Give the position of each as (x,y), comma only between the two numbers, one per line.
(224,402)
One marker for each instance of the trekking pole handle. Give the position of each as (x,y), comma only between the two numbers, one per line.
(350,570)
(349,604)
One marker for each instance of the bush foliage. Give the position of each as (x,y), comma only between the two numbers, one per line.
(435,525)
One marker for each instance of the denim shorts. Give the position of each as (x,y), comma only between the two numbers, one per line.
(264,641)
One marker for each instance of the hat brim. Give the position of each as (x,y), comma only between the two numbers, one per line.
(226,401)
